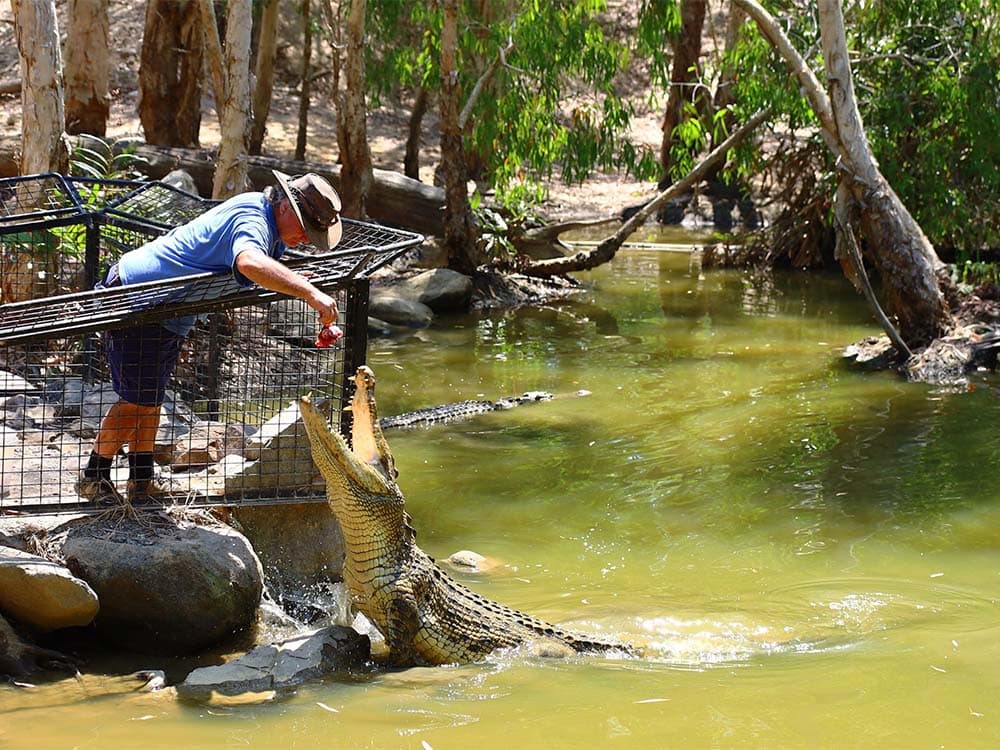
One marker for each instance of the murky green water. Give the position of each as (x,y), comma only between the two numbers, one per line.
(809,554)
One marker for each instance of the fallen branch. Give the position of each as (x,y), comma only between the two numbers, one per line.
(846,234)
(606,250)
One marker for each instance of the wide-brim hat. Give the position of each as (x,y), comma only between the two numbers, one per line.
(316,205)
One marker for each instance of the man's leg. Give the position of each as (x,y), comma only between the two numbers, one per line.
(125,423)
(141,361)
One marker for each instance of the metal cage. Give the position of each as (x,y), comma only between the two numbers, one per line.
(229,432)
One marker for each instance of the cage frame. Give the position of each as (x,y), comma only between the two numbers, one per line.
(364,248)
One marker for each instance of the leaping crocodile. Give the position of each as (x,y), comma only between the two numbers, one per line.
(426,617)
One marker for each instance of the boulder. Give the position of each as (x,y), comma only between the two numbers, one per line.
(40,593)
(298,544)
(292,320)
(96,401)
(181,180)
(400,312)
(207,443)
(278,667)
(441,289)
(166,587)
(276,457)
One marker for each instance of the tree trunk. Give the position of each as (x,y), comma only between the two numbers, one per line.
(905,259)
(42,146)
(88,67)
(213,53)
(231,170)
(393,199)
(461,236)
(411,161)
(170,73)
(264,74)
(300,138)
(27,272)
(356,158)
(685,74)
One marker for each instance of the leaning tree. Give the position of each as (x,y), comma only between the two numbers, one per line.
(907,264)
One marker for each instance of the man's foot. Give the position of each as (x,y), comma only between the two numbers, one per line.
(144,490)
(98,491)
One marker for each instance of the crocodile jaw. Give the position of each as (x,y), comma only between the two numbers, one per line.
(369,466)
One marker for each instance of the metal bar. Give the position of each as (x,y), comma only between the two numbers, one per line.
(356,348)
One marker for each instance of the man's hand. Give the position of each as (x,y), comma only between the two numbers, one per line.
(325,306)
(271,274)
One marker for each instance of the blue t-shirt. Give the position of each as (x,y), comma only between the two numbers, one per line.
(209,243)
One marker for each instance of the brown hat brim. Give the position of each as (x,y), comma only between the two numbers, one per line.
(320,239)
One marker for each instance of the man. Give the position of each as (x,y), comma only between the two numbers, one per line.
(246,235)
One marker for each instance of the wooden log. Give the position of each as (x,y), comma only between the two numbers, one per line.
(394,198)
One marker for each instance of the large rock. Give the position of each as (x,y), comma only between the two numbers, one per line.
(277,667)
(298,544)
(441,289)
(207,443)
(276,459)
(165,587)
(292,320)
(399,311)
(42,594)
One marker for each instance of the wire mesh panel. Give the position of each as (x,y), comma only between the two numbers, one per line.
(228,430)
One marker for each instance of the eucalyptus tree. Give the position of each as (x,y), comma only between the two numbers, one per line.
(88,67)
(231,167)
(685,86)
(23,274)
(43,147)
(515,67)
(460,230)
(910,269)
(927,76)
(356,175)
(267,39)
(305,85)
(170,67)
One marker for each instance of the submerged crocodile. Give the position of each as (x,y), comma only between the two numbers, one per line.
(460,410)
(426,617)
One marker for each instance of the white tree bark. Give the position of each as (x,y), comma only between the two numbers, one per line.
(42,146)
(905,259)
(231,170)
(88,67)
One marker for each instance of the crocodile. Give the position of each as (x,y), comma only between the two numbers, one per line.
(426,617)
(459,410)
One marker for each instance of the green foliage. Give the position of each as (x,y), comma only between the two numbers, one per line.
(103,161)
(497,225)
(658,26)
(521,128)
(98,160)
(927,81)
(974,272)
